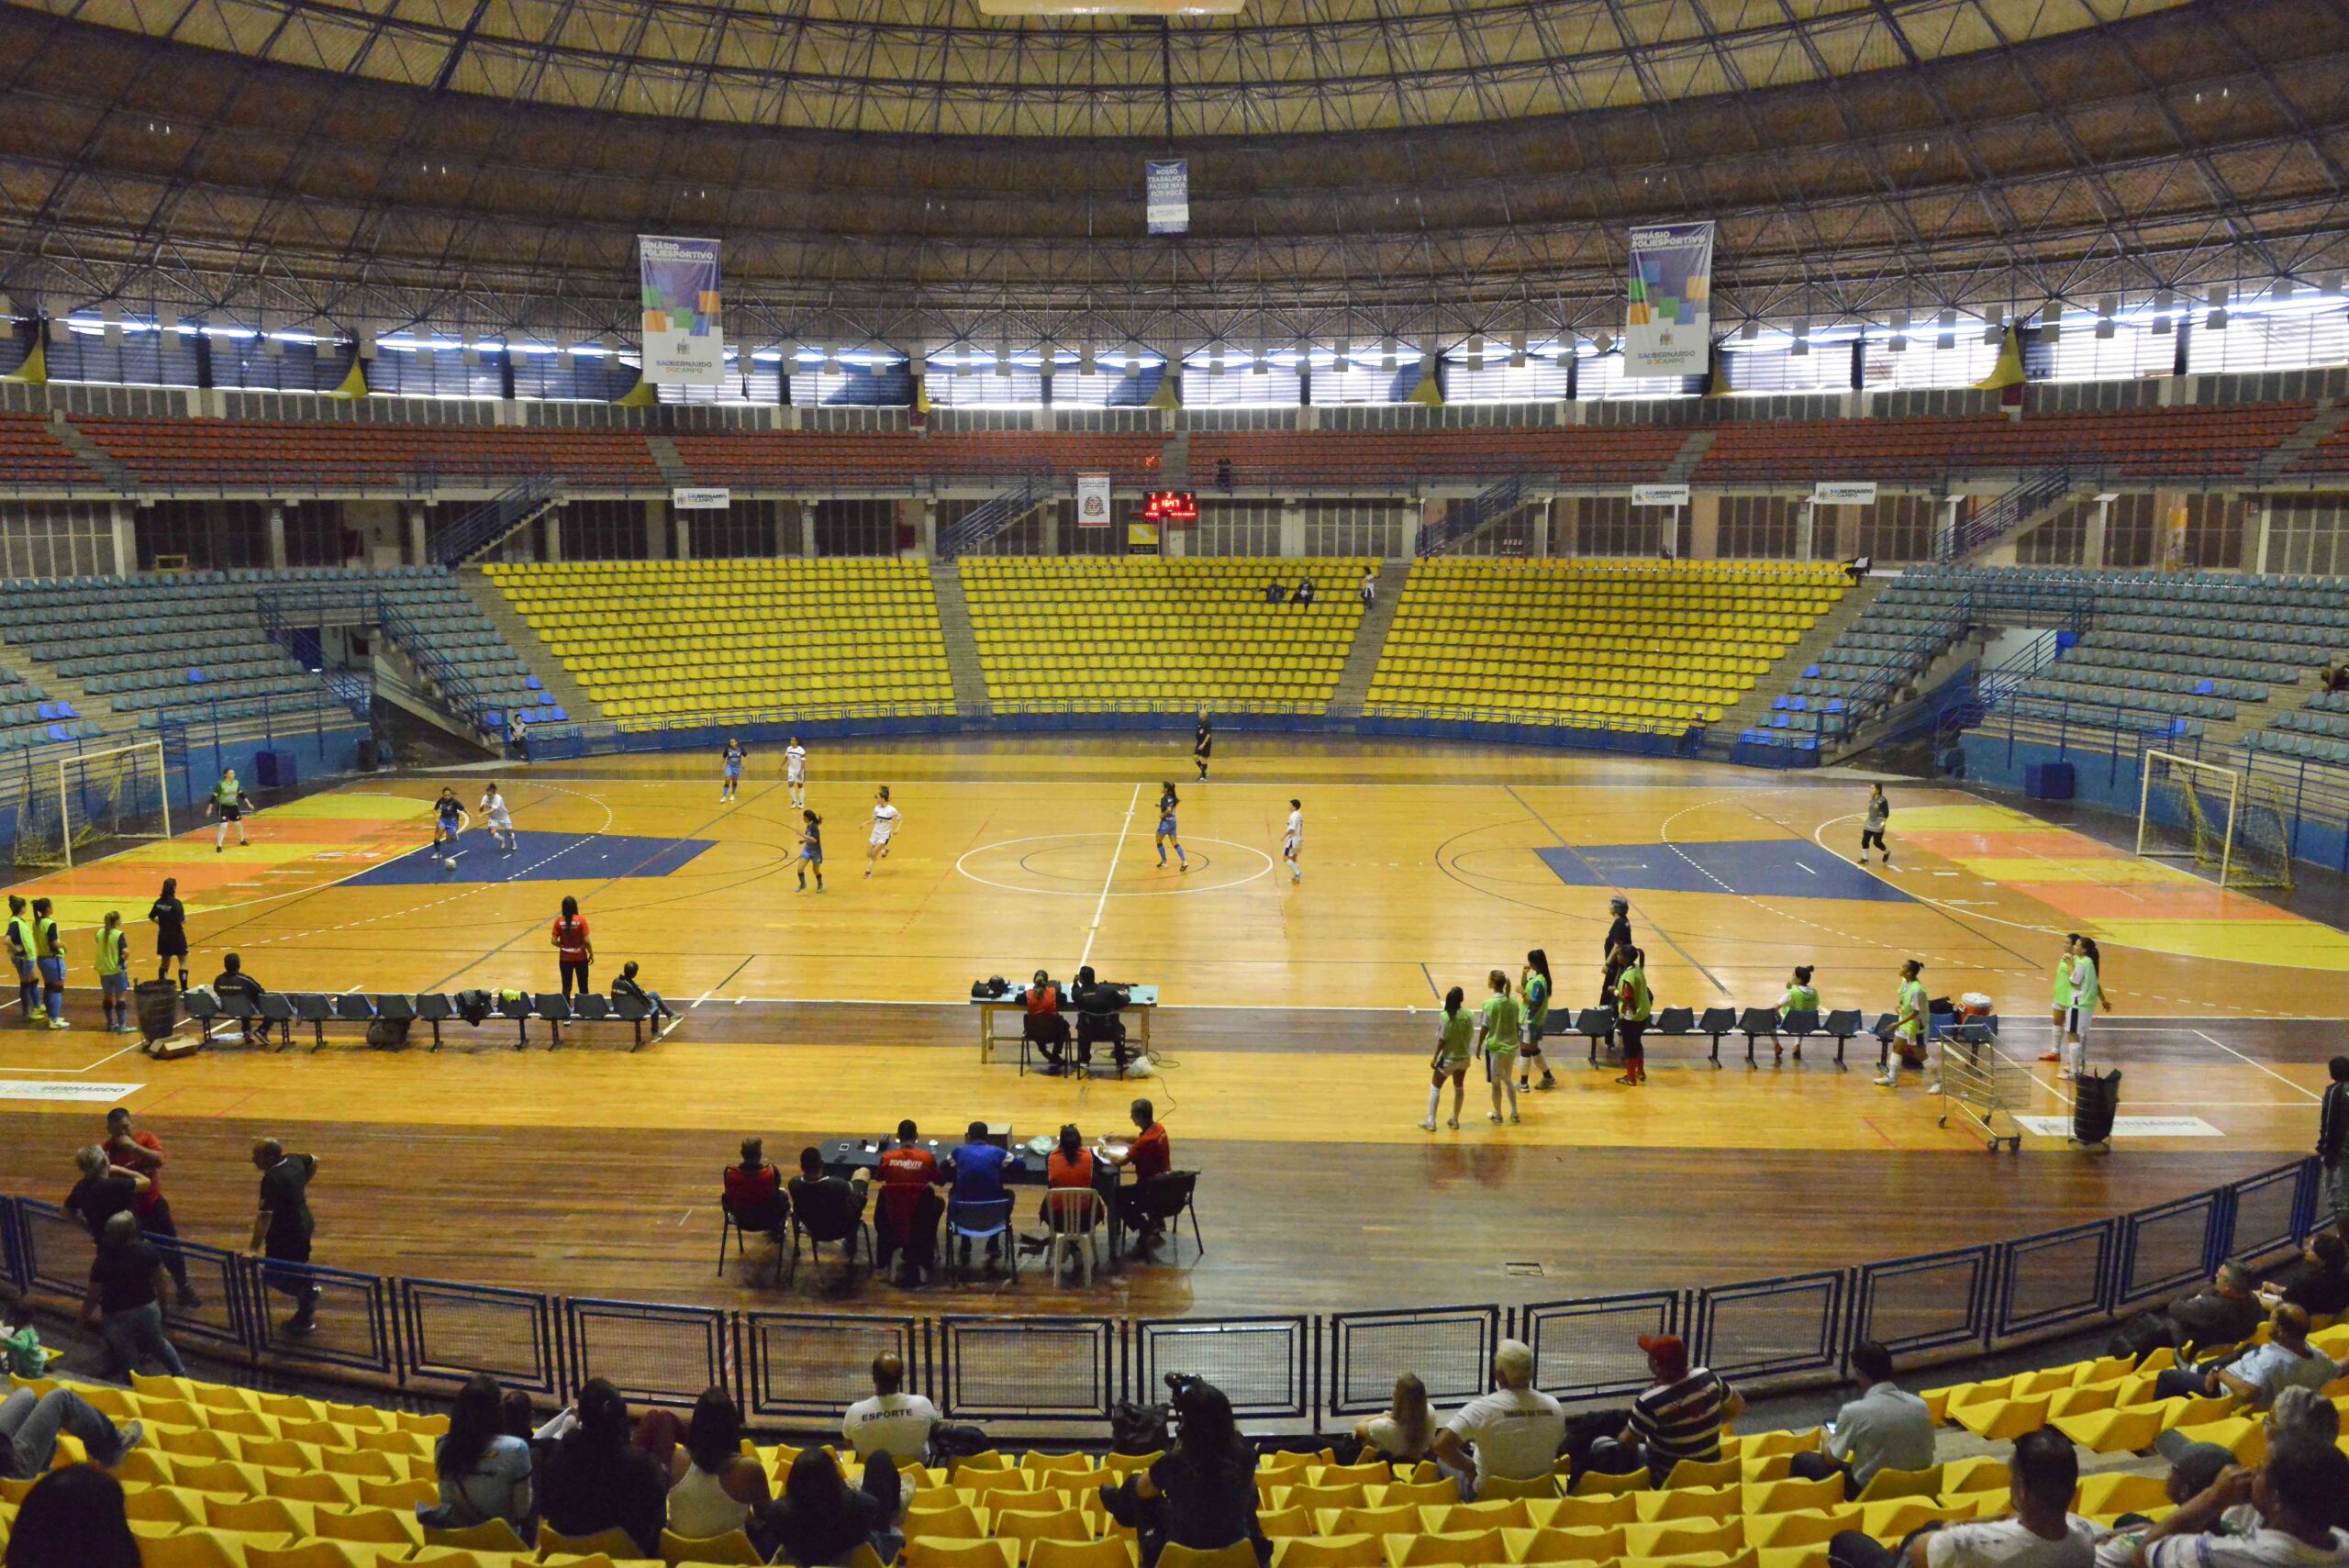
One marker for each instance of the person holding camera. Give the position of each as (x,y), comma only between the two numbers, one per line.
(1202,1494)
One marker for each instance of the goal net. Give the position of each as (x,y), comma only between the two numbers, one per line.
(75,805)
(2218,816)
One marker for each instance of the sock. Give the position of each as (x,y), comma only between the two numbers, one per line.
(1162,857)
(1180,856)
(56,1005)
(1435,1098)
(1512,1097)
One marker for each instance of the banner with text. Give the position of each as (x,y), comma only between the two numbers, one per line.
(1166,197)
(678,282)
(701,500)
(1843,493)
(1092,500)
(1659,495)
(1672,286)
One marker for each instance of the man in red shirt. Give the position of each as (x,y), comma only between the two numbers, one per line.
(906,1218)
(142,1152)
(754,1190)
(1150,1155)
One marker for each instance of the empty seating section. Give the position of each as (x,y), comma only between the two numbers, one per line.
(185,646)
(789,460)
(28,717)
(694,642)
(1149,635)
(32,457)
(240,453)
(1573,453)
(463,640)
(2132,443)
(1639,646)
(2318,732)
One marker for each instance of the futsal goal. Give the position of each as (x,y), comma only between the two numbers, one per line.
(91,798)
(2218,816)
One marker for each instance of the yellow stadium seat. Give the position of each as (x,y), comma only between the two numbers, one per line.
(977,1553)
(190,1549)
(944,1514)
(614,1542)
(1592,1483)
(1551,1545)
(1465,1546)
(1980,1473)
(1678,1538)
(307,1554)
(1890,1483)
(1592,1510)
(1329,1552)
(2113,1492)
(495,1535)
(1801,1527)
(1026,1529)
(1401,1520)
(1421,1494)
(1701,1472)
(1286,1521)
(1111,1553)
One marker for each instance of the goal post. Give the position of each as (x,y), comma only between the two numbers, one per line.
(2218,816)
(86,798)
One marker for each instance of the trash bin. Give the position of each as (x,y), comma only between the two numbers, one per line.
(2096,1101)
(275,770)
(159,1008)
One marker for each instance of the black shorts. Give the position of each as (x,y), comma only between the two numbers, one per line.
(232,813)
(171,947)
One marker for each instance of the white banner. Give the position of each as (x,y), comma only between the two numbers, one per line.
(1659,495)
(1092,500)
(1668,330)
(701,500)
(1843,493)
(79,1094)
(1166,197)
(677,283)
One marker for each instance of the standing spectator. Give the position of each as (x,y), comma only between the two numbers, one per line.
(714,1486)
(2317,1281)
(170,917)
(73,1517)
(905,1214)
(1887,1427)
(2261,1373)
(822,1519)
(1404,1432)
(755,1191)
(483,1471)
(1043,1027)
(125,1298)
(573,949)
(662,1017)
(2225,1314)
(2332,1143)
(232,981)
(975,1169)
(1151,1156)
(281,1228)
(595,1479)
(893,1425)
(1678,1417)
(1201,1494)
(2298,1494)
(2041,1532)
(1369,589)
(30,1422)
(1513,1433)
(130,1150)
(1223,479)
(104,1191)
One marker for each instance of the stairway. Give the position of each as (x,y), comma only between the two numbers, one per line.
(1370,640)
(671,464)
(55,688)
(1753,709)
(2327,418)
(525,641)
(108,467)
(971,698)
(1692,453)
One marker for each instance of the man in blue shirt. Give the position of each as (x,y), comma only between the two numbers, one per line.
(2260,1374)
(976,1168)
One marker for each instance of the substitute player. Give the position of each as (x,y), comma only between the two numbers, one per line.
(49,952)
(114,973)
(1496,1031)
(497,819)
(1534,984)
(1292,845)
(449,821)
(732,760)
(20,952)
(795,772)
(230,802)
(886,820)
(1907,1028)
(1166,833)
(1454,1044)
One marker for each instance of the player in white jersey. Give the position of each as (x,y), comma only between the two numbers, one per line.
(497,819)
(1293,842)
(795,770)
(886,820)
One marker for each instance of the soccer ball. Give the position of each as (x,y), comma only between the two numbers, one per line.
(450,862)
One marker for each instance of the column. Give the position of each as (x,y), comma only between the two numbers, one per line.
(1704,526)
(656,531)
(415,541)
(684,524)
(126,537)
(2256,557)
(926,528)
(1804,524)
(2092,546)
(553,523)
(277,536)
(1292,529)
(807,535)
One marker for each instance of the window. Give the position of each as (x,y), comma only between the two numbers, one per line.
(1757,527)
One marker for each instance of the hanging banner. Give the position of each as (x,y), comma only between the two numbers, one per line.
(678,282)
(1843,493)
(1659,495)
(1672,285)
(701,500)
(1166,197)
(1092,500)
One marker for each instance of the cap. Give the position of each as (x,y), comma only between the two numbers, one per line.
(1666,1349)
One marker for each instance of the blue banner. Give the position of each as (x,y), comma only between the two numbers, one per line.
(678,279)
(1669,325)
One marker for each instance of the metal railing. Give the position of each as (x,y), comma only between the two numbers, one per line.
(487,524)
(2066,606)
(995,515)
(1465,519)
(1070,1372)
(2005,515)
(294,615)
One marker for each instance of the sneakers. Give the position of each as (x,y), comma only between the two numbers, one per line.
(2067,1072)
(1887,1081)
(132,1433)
(189,1301)
(1525,1086)
(1493,1117)
(1512,1119)
(2050,1056)
(1628,1081)
(1429,1124)
(1864,860)
(1933,1087)
(1549,1079)
(59,1024)
(1452,1122)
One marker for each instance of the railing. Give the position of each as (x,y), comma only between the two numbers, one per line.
(307,646)
(2068,607)
(1467,518)
(295,614)
(997,513)
(483,527)
(2003,515)
(1069,1373)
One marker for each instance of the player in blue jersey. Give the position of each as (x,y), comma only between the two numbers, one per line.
(1166,834)
(732,756)
(449,823)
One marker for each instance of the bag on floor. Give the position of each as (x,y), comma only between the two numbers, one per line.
(1138,1429)
(388,1034)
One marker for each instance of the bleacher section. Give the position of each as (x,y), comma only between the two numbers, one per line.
(28,718)
(1627,645)
(32,457)
(464,637)
(1160,635)
(2141,443)
(2317,732)
(256,453)
(657,642)
(759,459)
(1571,454)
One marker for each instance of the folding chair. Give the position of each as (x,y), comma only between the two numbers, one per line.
(518,1008)
(1842,1023)
(314,1009)
(1594,1024)
(435,1008)
(555,1008)
(1716,1022)
(631,1012)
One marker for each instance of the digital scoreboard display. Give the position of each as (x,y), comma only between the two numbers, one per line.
(1174,506)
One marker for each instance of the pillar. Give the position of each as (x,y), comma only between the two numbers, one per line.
(806,532)
(126,537)
(1945,528)
(415,541)
(926,528)
(1704,526)
(553,523)
(1292,529)
(683,521)
(1806,521)
(2256,557)
(656,531)
(2092,546)
(277,536)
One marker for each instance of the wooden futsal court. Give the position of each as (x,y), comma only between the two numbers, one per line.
(1293,1039)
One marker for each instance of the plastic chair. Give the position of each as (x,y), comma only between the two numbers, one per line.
(1693,1502)
(496,1535)
(1168,1196)
(1027,1528)
(555,1008)
(1327,1552)
(1468,1547)
(1114,1552)
(1239,1555)
(1716,1022)
(1594,1481)
(733,1547)
(1703,1473)
(307,1554)
(435,1008)
(1927,1482)
(988,1221)
(1076,1218)
(980,1553)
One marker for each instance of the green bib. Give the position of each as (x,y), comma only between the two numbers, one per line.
(1634,980)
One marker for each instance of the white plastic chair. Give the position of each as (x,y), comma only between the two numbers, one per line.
(1076,1218)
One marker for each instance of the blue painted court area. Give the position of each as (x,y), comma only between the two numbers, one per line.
(1766,868)
(537,857)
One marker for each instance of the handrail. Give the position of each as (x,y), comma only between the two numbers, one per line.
(2069,605)
(1464,521)
(997,513)
(326,603)
(486,524)
(2004,514)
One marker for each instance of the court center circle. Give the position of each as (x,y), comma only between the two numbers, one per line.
(1042,856)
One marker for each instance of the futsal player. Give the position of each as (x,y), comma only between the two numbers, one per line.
(732,759)
(811,850)
(20,952)
(2088,995)
(1293,842)
(1533,984)
(48,953)
(1801,996)
(114,973)
(449,821)
(2063,999)
(229,800)
(1634,1004)
(1202,743)
(1497,1030)
(497,819)
(1872,832)
(1908,1027)
(795,773)
(886,820)
(1166,833)
(1454,1044)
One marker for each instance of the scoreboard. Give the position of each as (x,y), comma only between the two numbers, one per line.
(1174,509)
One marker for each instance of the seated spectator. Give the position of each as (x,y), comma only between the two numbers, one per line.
(892,1425)
(975,1170)
(2297,1493)
(30,1422)
(1304,594)
(484,1472)
(104,1191)
(1274,593)
(714,1486)
(1044,1027)
(1151,1156)
(595,1479)
(655,1009)
(1678,1417)
(828,1207)
(2224,1314)
(1097,1021)
(755,1191)
(1069,1165)
(232,981)
(2041,1532)
(821,1519)
(906,1215)
(1887,1427)
(2261,1373)
(1404,1432)
(1513,1433)
(2194,1468)
(1202,1494)
(73,1517)
(127,1281)
(2318,1279)
(21,1351)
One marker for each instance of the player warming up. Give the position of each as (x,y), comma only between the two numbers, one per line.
(1292,845)
(497,819)
(795,772)
(1496,1031)
(449,821)
(1166,833)
(732,760)
(1879,812)
(1202,744)
(811,849)
(886,820)
(1907,1030)
(230,802)
(1454,1044)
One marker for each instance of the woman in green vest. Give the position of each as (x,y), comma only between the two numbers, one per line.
(114,973)
(1634,1005)
(1497,1024)
(1454,1044)
(20,949)
(2065,993)
(1800,998)
(49,954)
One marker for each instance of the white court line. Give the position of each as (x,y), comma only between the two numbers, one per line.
(2239,1056)
(1116,853)
(70,1072)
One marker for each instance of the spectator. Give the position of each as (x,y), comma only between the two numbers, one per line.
(518,735)
(30,1424)
(1678,1417)
(595,1479)
(281,1229)
(2041,1533)
(828,1207)
(1070,1166)
(1514,1433)
(1887,1427)
(484,1472)
(1151,1156)
(1369,589)
(1044,1027)
(21,1351)
(1304,593)
(104,1190)
(1405,1431)
(130,1150)
(1274,592)
(905,1219)
(72,1517)
(2301,1415)
(823,1520)
(2194,1468)
(975,1169)
(1097,1020)
(714,1486)
(2297,1493)
(1223,480)
(2318,1279)
(659,1011)
(232,981)
(1202,1494)
(2225,1314)
(2332,1144)
(892,1425)
(2286,1360)
(755,1191)
(574,951)
(127,1286)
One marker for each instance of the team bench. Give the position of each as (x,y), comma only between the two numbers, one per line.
(318,1009)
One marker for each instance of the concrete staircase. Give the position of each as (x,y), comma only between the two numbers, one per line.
(666,458)
(2327,418)
(1370,640)
(971,698)
(1692,453)
(55,688)
(108,468)
(1753,709)
(525,643)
